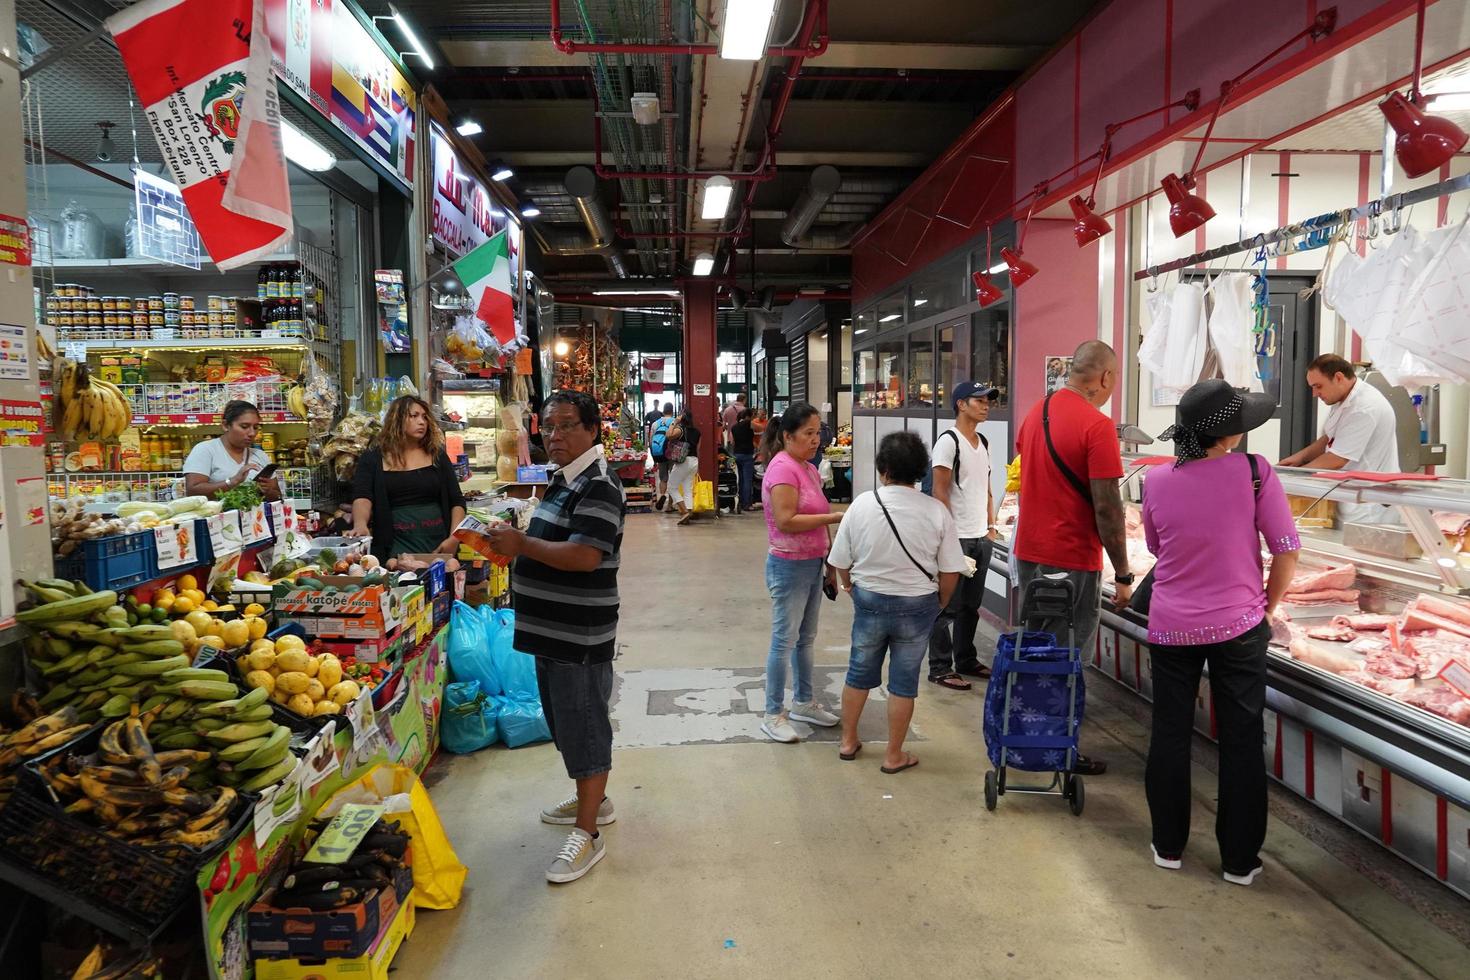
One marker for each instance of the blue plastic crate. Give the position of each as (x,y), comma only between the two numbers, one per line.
(117,562)
(203,544)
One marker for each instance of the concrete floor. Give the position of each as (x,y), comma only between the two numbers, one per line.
(736,855)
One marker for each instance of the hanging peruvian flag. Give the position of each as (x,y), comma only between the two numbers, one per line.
(485,272)
(202,69)
(653,375)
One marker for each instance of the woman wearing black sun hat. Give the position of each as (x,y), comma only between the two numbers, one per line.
(1204,518)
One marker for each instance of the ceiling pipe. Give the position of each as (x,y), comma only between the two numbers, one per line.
(796,231)
(810,47)
(581,185)
(760,173)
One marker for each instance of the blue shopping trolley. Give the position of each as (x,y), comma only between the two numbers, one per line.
(1034,704)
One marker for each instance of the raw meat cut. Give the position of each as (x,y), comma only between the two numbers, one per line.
(1440,699)
(1332,631)
(1322,595)
(1448,608)
(1322,658)
(1341,577)
(1429,613)
(1366,645)
(1430,652)
(1374,682)
(1283,633)
(1388,662)
(1367,622)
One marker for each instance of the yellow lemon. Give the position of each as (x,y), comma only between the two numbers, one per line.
(187,582)
(236,633)
(184,631)
(198,618)
(257,627)
(183,604)
(209,605)
(255,609)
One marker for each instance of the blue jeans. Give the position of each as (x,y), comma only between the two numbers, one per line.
(896,625)
(796,602)
(745,467)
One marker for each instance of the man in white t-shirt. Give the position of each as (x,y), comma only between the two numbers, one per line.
(961,479)
(1361,432)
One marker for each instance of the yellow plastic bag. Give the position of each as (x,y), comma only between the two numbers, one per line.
(1013,475)
(704,497)
(438,875)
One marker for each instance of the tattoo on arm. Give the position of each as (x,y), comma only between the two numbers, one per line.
(1107,506)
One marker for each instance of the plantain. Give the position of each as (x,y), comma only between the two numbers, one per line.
(215,691)
(191,803)
(154,648)
(182,757)
(204,726)
(154,701)
(180,740)
(65,585)
(24,707)
(263,712)
(195,674)
(234,706)
(56,647)
(153,668)
(43,727)
(272,752)
(240,751)
(53,741)
(151,823)
(240,731)
(47,594)
(118,796)
(271,776)
(71,608)
(201,838)
(57,695)
(67,665)
(114,775)
(147,632)
(174,708)
(76,630)
(217,810)
(84,805)
(118,659)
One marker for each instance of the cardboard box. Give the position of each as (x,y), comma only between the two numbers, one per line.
(299,933)
(374,650)
(439,609)
(413,600)
(367,612)
(372,966)
(433,578)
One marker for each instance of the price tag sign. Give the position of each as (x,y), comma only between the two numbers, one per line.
(176,545)
(75,349)
(255,524)
(360,716)
(224,532)
(320,760)
(270,334)
(278,806)
(347,829)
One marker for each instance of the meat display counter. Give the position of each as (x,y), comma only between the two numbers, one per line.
(1368,682)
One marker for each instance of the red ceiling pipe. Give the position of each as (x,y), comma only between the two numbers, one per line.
(490,75)
(810,47)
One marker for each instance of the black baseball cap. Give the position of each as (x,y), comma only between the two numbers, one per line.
(973,389)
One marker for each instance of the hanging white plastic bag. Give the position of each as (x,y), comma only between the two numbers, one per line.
(1155,338)
(1433,320)
(1230,325)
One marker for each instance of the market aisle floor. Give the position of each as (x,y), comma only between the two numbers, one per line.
(732,855)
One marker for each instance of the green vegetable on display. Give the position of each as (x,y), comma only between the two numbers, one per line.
(244,497)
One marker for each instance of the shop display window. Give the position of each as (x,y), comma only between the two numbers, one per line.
(945,377)
(890,312)
(866,385)
(846,353)
(989,351)
(889,382)
(921,371)
(938,289)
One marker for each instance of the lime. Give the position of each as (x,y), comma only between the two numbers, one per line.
(159,614)
(143,609)
(132,618)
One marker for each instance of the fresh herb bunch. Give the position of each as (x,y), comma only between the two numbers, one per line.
(244,497)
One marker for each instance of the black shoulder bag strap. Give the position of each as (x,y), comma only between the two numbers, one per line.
(1056,457)
(899,537)
(1255,475)
(954,470)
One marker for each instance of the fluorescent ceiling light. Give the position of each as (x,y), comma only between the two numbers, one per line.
(635,292)
(889,318)
(469,128)
(861,332)
(413,39)
(745,28)
(304,151)
(920,302)
(717,192)
(704,264)
(501,172)
(530,210)
(998,267)
(1449,100)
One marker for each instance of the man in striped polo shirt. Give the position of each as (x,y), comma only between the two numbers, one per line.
(565,587)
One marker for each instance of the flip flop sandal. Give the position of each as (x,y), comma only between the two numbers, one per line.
(898,769)
(849,756)
(952,681)
(982,672)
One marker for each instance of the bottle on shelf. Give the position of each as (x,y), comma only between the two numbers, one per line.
(262,284)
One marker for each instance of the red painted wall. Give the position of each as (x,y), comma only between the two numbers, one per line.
(1055,311)
(1131,56)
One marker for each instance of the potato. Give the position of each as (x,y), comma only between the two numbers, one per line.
(293,682)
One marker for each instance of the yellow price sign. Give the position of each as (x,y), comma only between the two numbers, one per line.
(344,833)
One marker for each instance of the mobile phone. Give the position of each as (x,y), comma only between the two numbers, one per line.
(829,589)
(268,472)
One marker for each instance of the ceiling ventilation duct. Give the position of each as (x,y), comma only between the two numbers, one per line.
(581,184)
(797,232)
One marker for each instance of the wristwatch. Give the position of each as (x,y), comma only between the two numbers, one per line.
(1124,579)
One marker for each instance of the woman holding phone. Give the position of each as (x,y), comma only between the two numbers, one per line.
(404,492)
(225,462)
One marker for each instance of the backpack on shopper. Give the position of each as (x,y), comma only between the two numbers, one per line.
(928,483)
(658,443)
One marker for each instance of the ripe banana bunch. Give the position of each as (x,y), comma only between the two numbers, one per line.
(37,737)
(86,406)
(296,400)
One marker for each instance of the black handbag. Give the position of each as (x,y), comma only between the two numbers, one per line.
(1143,593)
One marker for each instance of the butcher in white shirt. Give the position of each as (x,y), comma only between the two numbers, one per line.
(898,556)
(1361,432)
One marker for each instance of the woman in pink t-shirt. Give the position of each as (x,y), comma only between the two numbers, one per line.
(797,518)
(1204,517)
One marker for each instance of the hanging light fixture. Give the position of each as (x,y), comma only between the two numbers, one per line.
(717,192)
(987,293)
(1090,225)
(1189,211)
(704,264)
(106,150)
(1020,268)
(1425,143)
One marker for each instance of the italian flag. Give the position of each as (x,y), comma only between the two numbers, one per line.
(485,272)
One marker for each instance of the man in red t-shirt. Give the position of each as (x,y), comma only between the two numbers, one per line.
(1072,511)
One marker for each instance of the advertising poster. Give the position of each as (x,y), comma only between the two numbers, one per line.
(465,216)
(1057,369)
(15,240)
(15,355)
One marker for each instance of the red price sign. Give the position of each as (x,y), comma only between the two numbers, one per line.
(15,240)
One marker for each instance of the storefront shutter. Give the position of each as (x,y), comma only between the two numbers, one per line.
(798,370)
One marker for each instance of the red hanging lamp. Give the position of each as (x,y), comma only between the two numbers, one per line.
(1425,143)
(1021,270)
(987,293)
(1090,225)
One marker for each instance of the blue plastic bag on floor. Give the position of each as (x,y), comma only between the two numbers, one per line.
(470,656)
(515,671)
(468,722)
(521,720)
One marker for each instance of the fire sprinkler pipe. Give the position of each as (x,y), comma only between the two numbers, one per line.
(810,47)
(610,173)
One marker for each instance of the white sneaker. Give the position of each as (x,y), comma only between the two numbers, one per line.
(778,729)
(1173,864)
(576,857)
(1248,878)
(565,812)
(814,714)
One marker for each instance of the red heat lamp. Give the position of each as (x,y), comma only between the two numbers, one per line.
(986,292)
(1186,211)
(1425,143)
(1090,225)
(1019,267)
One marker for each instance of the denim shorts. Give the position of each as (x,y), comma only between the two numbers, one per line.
(574,698)
(897,626)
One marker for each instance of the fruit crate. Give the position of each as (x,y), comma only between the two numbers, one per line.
(123,888)
(119,561)
(303,729)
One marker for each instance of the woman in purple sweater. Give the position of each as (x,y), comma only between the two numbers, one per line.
(1204,518)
